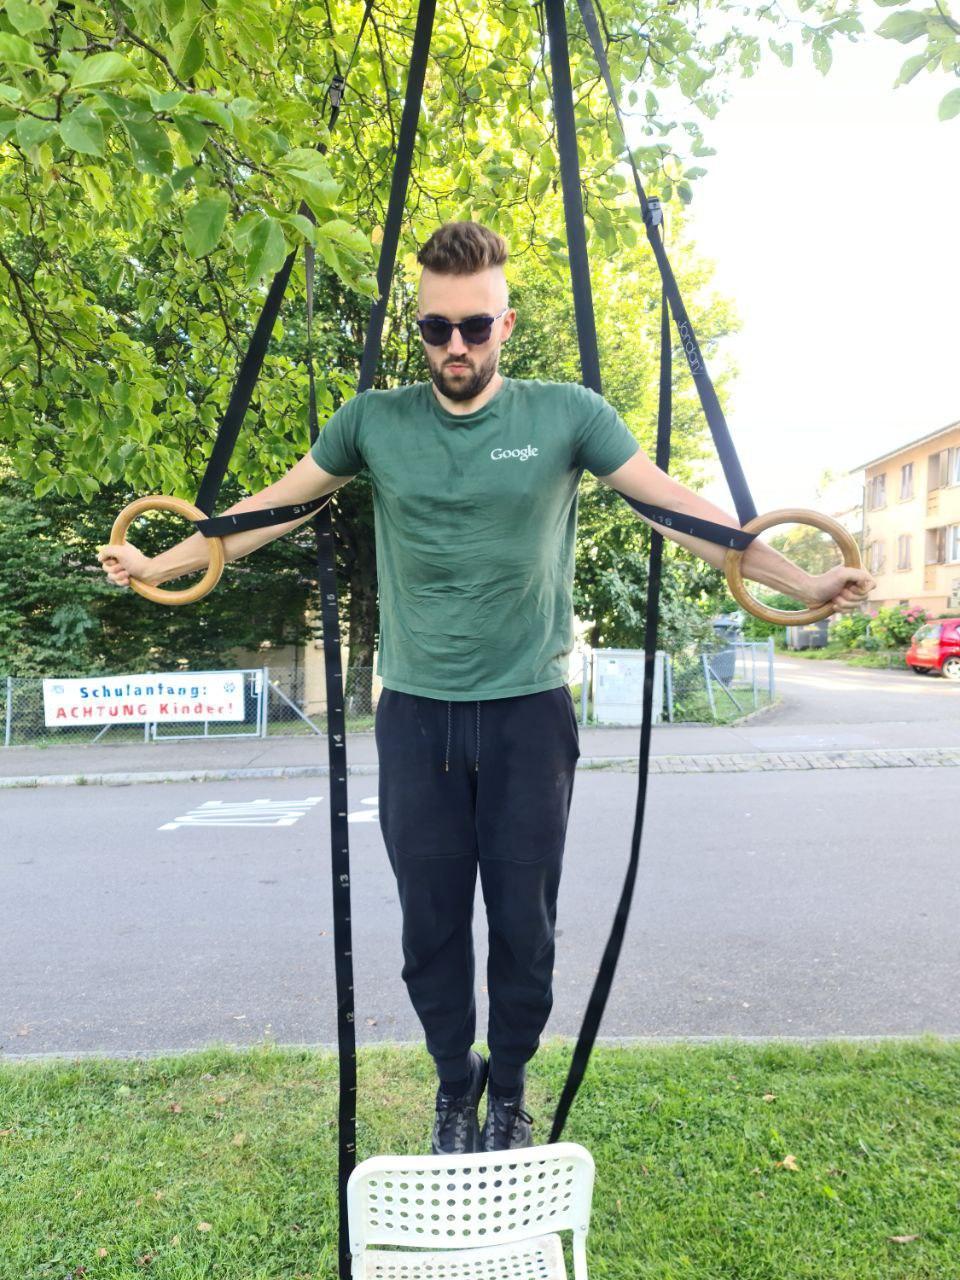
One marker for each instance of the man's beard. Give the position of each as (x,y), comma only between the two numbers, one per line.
(467,385)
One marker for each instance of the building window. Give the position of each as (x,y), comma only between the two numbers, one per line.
(936,545)
(875,557)
(953,541)
(906,482)
(944,469)
(903,551)
(876,492)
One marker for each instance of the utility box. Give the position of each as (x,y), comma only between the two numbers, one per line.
(618,686)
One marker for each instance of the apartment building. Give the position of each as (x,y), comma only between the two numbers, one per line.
(911,522)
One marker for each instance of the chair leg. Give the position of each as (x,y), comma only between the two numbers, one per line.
(579,1257)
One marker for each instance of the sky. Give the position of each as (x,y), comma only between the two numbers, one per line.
(831,210)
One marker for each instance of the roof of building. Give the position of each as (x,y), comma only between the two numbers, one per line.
(912,444)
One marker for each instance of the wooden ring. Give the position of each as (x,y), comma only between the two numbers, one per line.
(789,515)
(181,508)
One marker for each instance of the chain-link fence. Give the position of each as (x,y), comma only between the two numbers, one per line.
(713,684)
(274,703)
(717,684)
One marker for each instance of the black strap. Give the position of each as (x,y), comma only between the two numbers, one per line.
(736,480)
(590,369)
(326,565)
(611,954)
(250,367)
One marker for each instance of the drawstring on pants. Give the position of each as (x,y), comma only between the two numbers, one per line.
(446,762)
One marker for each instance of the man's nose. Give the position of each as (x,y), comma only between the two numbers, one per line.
(456,346)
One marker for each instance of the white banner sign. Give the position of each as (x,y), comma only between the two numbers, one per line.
(168,696)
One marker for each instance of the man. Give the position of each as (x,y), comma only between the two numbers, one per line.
(475,481)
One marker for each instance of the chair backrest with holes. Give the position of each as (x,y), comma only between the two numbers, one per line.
(463,1202)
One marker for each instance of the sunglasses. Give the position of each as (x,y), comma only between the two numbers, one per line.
(437,330)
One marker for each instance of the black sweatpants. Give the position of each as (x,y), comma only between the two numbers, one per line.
(468,785)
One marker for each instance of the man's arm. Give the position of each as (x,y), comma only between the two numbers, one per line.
(302,483)
(642,479)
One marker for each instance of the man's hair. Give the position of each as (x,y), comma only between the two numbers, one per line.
(463,248)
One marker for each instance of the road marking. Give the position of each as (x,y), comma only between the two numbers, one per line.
(366,815)
(250,813)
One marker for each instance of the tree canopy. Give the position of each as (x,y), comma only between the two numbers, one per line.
(154,155)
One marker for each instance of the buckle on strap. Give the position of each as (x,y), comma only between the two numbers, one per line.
(653,214)
(337,85)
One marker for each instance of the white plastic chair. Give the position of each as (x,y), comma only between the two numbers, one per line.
(486,1216)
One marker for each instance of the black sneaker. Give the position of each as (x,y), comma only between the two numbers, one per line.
(507,1126)
(455,1129)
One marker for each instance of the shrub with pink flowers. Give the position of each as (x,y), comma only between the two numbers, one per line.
(889,627)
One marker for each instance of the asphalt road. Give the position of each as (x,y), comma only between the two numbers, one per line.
(818,692)
(782,903)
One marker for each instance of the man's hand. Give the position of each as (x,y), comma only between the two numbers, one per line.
(844,588)
(122,561)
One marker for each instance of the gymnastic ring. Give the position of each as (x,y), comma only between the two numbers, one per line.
(180,507)
(789,515)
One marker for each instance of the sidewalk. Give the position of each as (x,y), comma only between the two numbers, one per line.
(756,744)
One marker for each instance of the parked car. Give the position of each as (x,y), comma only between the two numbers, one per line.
(936,647)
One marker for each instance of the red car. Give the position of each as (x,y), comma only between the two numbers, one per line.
(936,647)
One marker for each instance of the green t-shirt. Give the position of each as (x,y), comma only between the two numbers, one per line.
(475,519)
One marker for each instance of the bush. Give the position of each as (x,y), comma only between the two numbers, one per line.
(894,625)
(890,627)
(850,630)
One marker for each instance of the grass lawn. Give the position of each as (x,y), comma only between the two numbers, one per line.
(885,659)
(725,1161)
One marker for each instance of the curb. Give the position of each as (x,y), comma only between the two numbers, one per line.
(742,762)
(184,775)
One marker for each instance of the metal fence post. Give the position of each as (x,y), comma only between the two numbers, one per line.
(753,657)
(668,679)
(770,666)
(706,677)
(9,727)
(584,682)
(264,701)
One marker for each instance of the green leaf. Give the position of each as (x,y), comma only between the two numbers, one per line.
(151,148)
(912,67)
(783,51)
(203,224)
(903,26)
(190,50)
(950,106)
(304,160)
(822,53)
(32,133)
(164,101)
(685,192)
(194,133)
(27,18)
(82,130)
(306,228)
(539,185)
(18,52)
(198,104)
(267,249)
(341,232)
(101,68)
